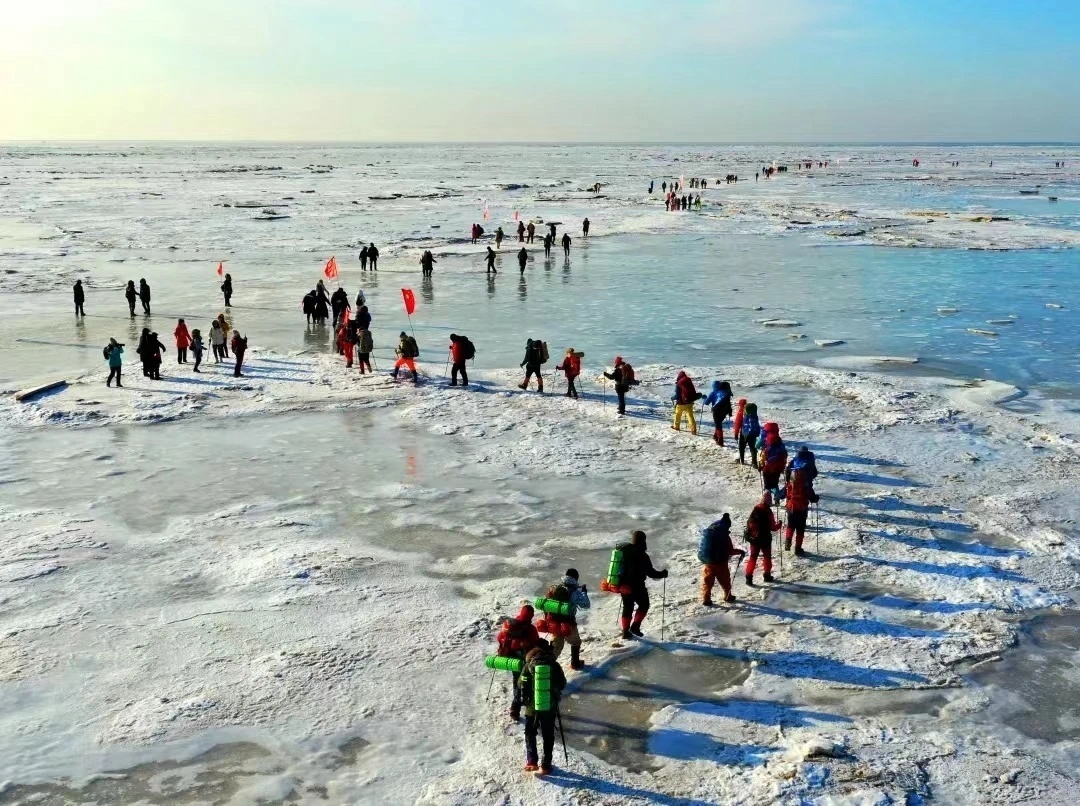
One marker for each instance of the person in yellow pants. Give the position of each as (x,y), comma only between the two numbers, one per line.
(685,396)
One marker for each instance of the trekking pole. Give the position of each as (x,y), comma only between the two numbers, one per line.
(492,683)
(663,609)
(447,367)
(562,735)
(817,530)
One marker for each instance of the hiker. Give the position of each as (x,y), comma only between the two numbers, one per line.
(740,412)
(585,228)
(499,235)
(427,262)
(140,350)
(715,551)
(226,290)
(339,303)
(80,298)
(373,256)
(749,431)
(307,305)
(223,323)
(114,352)
(759,528)
(407,352)
(773,456)
(553,231)
(636,567)
(719,402)
(571,367)
(183,341)
(541,684)
(363,259)
(461,350)
(548,240)
(197,348)
(623,376)
(521,232)
(152,351)
(535,358)
(531,230)
(799,495)
(239,347)
(566,244)
(516,638)
(131,295)
(490,258)
(564,629)
(217,341)
(523,258)
(144,296)
(364,346)
(685,397)
(474,232)
(363,318)
(346,341)
(361,300)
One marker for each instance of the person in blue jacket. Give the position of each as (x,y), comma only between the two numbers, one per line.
(748,435)
(719,401)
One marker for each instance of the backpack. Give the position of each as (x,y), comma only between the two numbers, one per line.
(628,377)
(709,536)
(543,352)
(630,561)
(756,527)
(412,350)
(107,351)
(351,336)
(468,348)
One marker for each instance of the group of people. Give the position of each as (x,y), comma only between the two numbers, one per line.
(150,349)
(526,233)
(369,254)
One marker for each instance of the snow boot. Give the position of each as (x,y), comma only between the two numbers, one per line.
(729,598)
(787,545)
(768,577)
(576,663)
(521,386)
(540,385)
(800,552)
(515,714)
(708,602)
(749,580)
(625,624)
(531,766)
(635,629)
(545,769)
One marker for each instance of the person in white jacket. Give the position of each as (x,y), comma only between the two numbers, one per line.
(579,598)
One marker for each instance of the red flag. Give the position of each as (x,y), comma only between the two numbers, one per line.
(331,269)
(410,301)
(220,269)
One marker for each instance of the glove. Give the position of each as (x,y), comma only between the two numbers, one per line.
(663,574)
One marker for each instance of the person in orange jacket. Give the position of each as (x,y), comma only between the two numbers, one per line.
(571,367)
(344,344)
(740,410)
(183,341)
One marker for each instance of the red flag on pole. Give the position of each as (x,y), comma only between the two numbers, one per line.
(220,269)
(410,301)
(331,269)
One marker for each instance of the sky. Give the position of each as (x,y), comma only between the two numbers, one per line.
(560,70)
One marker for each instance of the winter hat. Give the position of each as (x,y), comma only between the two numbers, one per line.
(526,613)
(638,539)
(766,498)
(716,386)
(618,360)
(403,334)
(572,572)
(751,408)
(771,428)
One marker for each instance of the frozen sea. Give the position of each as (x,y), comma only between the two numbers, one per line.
(281,588)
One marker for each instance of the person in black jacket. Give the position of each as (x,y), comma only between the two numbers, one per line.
(339,303)
(226,290)
(532,363)
(373,257)
(80,298)
(636,567)
(131,295)
(623,375)
(144,295)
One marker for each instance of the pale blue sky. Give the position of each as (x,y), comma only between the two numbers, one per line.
(628,70)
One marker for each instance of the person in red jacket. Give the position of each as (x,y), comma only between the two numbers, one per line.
(516,638)
(571,366)
(344,345)
(799,494)
(760,526)
(183,341)
(684,398)
(458,355)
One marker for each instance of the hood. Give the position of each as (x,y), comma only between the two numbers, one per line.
(526,613)
(716,387)
(771,428)
(805,454)
(751,408)
(638,540)
(680,377)
(570,582)
(618,361)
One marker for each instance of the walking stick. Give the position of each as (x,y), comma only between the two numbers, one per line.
(447,367)
(817,530)
(492,683)
(562,735)
(663,610)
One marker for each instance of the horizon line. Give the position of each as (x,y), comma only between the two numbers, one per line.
(557,143)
